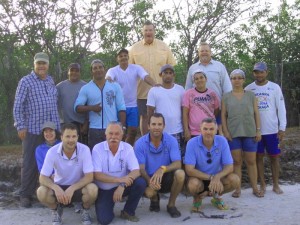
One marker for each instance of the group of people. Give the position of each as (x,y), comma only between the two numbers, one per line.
(178,149)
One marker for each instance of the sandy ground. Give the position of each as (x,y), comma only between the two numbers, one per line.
(248,209)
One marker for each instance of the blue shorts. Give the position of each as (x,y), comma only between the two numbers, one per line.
(247,144)
(132,116)
(270,142)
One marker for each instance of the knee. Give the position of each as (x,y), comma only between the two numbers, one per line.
(194,186)
(149,192)
(179,176)
(140,183)
(250,161)
(91,191)
(238,161)
(43,193)
(105,219)
(234,180)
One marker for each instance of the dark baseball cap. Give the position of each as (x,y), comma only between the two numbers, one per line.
(74,66)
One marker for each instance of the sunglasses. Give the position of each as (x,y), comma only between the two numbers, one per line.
(209,161)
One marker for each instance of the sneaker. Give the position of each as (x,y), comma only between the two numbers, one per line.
(173,211)
(77,207)
(85,217)
(25,202)
(126,216)
(56,216)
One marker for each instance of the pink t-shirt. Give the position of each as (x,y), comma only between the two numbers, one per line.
(201,106)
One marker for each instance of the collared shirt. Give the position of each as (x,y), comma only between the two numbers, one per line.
(67,94)
(35,103)
(152,157)
(118,165)
(197,155)
(110,97)
(68,171)
(151,57)
(217,77)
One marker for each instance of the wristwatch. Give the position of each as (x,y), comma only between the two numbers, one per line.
(122,185)
(164,168)
(124,128)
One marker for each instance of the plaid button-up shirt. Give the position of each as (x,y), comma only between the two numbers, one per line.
(35,103)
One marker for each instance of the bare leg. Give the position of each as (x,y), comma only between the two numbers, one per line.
(275,167)
(237,169)
(144,124)
(261,172)
(46,197)
(176,186)
(250,159)
(131,134)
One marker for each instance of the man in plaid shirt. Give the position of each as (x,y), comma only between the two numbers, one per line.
(35,103)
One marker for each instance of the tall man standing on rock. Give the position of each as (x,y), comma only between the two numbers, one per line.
(151,54)
(35,103)
(217,76)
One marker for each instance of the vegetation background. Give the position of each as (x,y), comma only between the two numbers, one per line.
(241,33)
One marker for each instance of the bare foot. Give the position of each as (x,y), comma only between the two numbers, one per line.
(262,189)
(258,193)
(236,194)
(277,190)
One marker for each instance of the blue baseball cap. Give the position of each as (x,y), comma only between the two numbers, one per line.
(238,72)
(260,66)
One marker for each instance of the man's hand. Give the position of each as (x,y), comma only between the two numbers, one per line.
(155,181)
(69,192)
(22,134)
(60,195)
(118,194)
(216,185)
(96,108)
(127,180)
(280,135)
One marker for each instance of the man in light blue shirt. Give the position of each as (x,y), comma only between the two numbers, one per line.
(209,165)
(103,101)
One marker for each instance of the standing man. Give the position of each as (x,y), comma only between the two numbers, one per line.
(103,101)
(209,165)
(151,54)
(67,93)
(117,174)
(160,164)
(272,112)
(128,75)
(35,103)
(167,100)
(73,176)
(217,76)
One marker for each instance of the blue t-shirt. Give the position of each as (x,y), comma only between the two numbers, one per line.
(166,153)
(111,100)
(196,155)
(40,154)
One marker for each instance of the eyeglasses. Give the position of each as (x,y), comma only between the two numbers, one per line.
(209,161)
(237,78)
(114,169)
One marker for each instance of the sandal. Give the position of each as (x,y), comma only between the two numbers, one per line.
(219,204)
(197,203)
(236,194)
(154,205)
(174,213)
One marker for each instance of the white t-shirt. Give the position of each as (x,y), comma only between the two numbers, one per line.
(128,80)
(67,171)
(271,107)
(118,165)
(168,102)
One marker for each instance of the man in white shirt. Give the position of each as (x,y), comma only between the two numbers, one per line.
(73,176)
(167,100)
(272,112)
(128,76)
(117,174)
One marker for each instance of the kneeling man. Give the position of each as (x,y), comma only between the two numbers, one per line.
(117,174)
(73,176)
(209,165)
(160,164)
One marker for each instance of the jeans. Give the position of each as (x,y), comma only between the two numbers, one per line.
(104,204)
